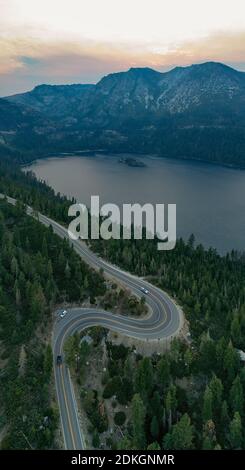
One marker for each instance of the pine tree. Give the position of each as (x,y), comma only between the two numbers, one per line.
(154,427)
(163,372)
(182,435)
(231,362)
(224,418)
(209,435)
(128,368)
(138,418)
(207,411)
(236,431)
(236,330)
(44,248)
(48,361)
(207,443)
(14,266)
(17,294)
(154,446)
(216,388)
(236,396)
(125,444)
(171,404)
(144,378)
(155,406)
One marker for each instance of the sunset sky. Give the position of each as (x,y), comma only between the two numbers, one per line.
(78,41)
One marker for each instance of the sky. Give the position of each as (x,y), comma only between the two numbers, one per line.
(79,41)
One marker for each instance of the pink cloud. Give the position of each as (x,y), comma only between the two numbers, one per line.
(27,62)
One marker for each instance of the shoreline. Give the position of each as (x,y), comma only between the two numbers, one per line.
(99,153)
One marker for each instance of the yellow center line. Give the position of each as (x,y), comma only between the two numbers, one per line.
(67,409)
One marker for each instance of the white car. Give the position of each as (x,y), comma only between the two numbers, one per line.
(144,290)
(63,314)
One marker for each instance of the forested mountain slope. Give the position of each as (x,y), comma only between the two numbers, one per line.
(195,112)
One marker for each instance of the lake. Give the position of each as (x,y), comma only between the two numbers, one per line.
(210,199)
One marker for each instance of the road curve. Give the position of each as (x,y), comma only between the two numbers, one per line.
(165,321)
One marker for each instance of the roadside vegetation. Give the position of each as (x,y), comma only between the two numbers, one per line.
(206,375)
(122,302)
(171,401)
(37,271)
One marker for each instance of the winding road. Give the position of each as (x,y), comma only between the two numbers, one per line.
(164,321)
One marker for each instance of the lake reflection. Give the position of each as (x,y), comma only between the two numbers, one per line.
(210,200)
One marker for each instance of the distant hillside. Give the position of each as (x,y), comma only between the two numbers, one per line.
(57,100)
(23,131)
(195,112)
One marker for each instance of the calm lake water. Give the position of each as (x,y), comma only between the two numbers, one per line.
(210,200)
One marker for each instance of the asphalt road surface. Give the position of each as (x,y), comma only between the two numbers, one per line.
(164,321)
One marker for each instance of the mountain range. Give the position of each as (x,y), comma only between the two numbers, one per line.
(195,112)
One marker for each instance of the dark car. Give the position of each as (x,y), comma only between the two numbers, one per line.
(59,360)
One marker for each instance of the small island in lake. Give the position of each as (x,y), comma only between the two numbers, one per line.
(130,161)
